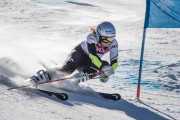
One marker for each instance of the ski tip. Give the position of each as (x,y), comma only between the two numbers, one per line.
(116,97)
(62,96)
(65,97)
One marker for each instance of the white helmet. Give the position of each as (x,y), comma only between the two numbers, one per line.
(106,32)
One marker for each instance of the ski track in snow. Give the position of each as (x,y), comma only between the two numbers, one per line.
(38,34)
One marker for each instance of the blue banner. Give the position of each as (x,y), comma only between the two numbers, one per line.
(162,14)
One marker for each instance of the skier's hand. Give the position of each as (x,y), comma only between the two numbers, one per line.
(107,70)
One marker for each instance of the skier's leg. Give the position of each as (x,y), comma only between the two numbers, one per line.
(69,66)
(76,60)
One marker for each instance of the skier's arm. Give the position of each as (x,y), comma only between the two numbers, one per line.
(93,56)
(114,55)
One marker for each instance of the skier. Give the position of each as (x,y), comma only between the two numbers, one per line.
(86,57)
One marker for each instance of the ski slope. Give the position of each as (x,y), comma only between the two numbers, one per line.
(39,34)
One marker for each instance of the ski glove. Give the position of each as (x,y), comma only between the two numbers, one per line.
(107,70)
(81,76)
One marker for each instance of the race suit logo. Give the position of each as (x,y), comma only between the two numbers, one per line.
(101,50)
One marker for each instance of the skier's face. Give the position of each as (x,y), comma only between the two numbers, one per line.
(106,41)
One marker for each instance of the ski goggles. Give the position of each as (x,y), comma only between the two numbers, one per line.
(106,39)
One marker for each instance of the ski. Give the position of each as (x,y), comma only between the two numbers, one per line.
(61,96)
(114,96)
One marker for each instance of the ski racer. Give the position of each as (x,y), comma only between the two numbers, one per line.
(86,57)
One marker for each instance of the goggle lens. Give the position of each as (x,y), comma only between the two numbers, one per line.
(107,39)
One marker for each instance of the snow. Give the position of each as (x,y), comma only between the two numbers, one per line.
(39,34)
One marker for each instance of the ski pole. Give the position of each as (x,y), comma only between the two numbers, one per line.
(61,79)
